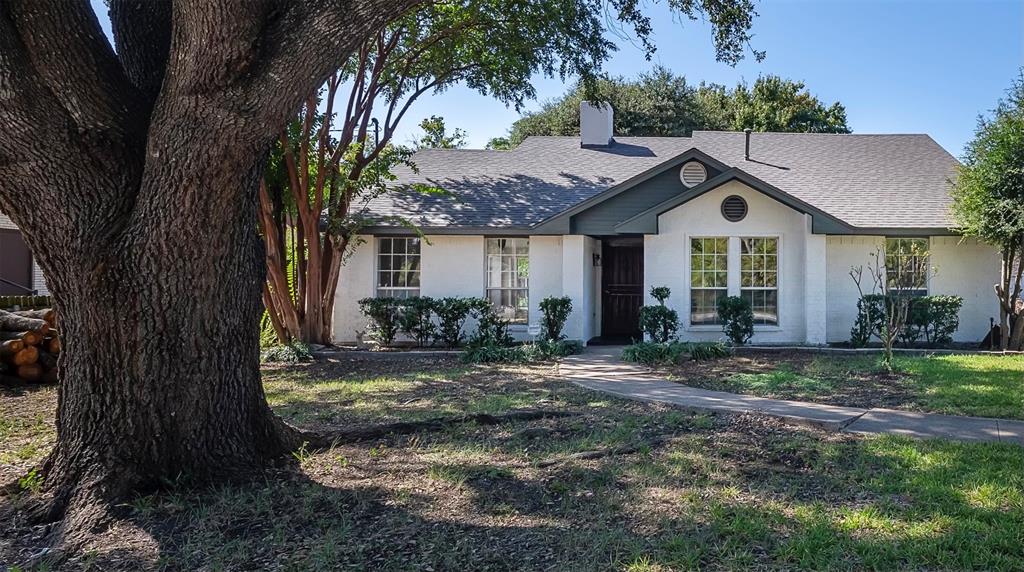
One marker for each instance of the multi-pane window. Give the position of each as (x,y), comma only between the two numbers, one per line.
(709,277)
(759,278)
(508,272)
(398,267)
(906,265)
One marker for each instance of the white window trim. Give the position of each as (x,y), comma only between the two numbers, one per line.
(375,279)
(513,326)
(927,272)
(778,278)
(688,277)
(734,278)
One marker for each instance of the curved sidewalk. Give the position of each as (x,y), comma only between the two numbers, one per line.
(601,369)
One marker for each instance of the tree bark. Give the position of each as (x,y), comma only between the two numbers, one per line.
(144,166)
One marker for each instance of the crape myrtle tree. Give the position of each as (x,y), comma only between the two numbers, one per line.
(661,103)
(894,275)
(988,203)
(333,159)
(133,171)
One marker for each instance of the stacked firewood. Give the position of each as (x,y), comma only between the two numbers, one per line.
(29,346)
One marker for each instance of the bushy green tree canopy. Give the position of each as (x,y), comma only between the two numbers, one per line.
(988,202)
(661,103)
(989,191)
(436,135)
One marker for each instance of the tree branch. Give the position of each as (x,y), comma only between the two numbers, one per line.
(142,33)
(68,50)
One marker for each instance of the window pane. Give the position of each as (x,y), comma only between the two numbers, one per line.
(765,304)
(398,246)
(413,246)
(704,306)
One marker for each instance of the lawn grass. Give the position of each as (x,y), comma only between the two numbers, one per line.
(978,385)
(981,385)
(698,492)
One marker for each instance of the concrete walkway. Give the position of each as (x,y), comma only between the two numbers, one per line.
(599,368)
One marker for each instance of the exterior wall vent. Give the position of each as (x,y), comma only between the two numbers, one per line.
(734,208)
(692,174)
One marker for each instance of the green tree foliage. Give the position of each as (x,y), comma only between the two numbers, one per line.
(436,135)
(988,201)
(661,103)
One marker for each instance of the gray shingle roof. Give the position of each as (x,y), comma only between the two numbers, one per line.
(899,181)
(864,180)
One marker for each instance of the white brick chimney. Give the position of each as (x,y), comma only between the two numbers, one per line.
(595,124)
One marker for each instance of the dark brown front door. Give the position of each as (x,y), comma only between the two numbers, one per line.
(15,263)
(622,287)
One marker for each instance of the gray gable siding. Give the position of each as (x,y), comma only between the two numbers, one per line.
(602,218)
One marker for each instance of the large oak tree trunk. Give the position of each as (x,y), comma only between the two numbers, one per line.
(143,169)
(173,391)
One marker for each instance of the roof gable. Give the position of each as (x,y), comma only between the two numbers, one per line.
(562,223)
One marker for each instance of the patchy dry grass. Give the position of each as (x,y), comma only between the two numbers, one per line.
(26,428)
(699,492)
(981,385)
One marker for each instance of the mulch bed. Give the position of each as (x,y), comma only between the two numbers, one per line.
(855,386)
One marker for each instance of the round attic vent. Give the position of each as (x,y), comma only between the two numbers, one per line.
(734,208)
(693,173)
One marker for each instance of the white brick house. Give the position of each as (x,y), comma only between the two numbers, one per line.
(602,219)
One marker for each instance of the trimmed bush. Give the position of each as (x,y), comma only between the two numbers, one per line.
(416,319)
(492,329)
(451,317)
(294,352)
(526,353)
(654,353)
(660,322)
(555,313)
(383,315)
(737,319)
(933,318)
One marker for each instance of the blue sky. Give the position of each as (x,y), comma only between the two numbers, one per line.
(899,66)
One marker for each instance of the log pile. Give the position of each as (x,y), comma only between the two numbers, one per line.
(29,346)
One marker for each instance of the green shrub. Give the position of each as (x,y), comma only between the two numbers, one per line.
(383,315)
(737,319)
(451,316)
(294,352)
(555,313)
(934,318)
(527,353)
(660,322)
(491,329)
(704,351)
(870,317)
(654,353)
(416,319)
